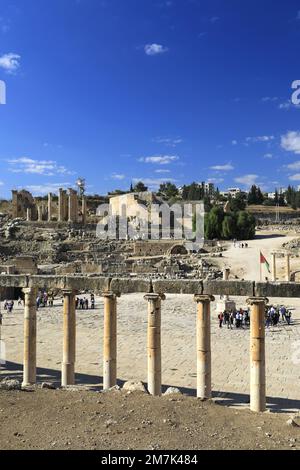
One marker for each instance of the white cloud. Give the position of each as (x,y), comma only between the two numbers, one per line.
(42,189)
(116,176)
(1,183)
(234,142)
(168,142)
(226,167)
(266,99)
(286,105)
(247,180)
(291,142)
(38,167)
(153,183)
(260,138)
(295,177)
(293,166)
(10,62)
(215,180)
(160,159)
(4,25)
(268,155)
(155,49)
(162,171)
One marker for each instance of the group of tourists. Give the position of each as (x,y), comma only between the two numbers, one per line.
(44,300)
(241,318)
(237,244)
(276,314)
(8,305)
(234,318)
(84,304)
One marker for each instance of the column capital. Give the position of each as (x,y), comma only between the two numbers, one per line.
(203,298)
(69,291)
(110,295)
(153,296)
(29,290)
(257,300)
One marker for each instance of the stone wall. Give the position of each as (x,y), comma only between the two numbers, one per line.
(128,285)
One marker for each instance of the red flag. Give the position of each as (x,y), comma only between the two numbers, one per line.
(263,260)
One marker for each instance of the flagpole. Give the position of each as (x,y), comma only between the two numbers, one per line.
(260,268)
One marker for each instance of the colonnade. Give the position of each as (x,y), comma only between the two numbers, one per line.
(68,208)
(154,301)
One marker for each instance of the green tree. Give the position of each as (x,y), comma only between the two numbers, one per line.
(237,203)
(140,187)
(169,190)
(245,226)
(229,227)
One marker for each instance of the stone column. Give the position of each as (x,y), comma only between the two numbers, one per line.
(40,213)
(154,343)
(257,354)
(110,341)
(84,209)
(49,207)
(28,214)
(226,272)
(274,266)
(288,267)
(29,367)
(203,346)
(75,198)
(69,338)
(61,205)
(73,206)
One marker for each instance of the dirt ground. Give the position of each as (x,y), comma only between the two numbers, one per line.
(86,420)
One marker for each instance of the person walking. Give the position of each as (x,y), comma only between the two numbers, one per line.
(221,318)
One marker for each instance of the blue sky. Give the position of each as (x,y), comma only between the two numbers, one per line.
(122,90)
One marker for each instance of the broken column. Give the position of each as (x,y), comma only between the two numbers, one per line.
(203,346)
(29,366)
(110,341)
(49,207)
(29,214)
(257,354)
(154,343)
(40,213)
(69,338)
(288,267)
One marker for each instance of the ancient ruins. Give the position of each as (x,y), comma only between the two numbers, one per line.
(154,292)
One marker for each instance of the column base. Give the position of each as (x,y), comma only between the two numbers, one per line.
(68,374)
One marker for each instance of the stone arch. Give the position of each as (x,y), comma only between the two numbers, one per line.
(178,250)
